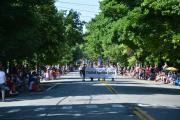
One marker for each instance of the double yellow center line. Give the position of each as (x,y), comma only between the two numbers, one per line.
(110,88)
(142,115)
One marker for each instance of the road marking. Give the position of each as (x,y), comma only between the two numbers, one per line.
(111,112)
(42,115)
(58,114)
(139,115)
(106,83)
(144,105)
(157,105)
(118,106)
(142,115)
(51,87)
(91,106)
(110,88)
(67,107)
(14,110)
(39,109)
(77,115)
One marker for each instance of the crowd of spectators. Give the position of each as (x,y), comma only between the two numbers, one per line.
(24,78)
(155,73)
(21,78)
(55,72)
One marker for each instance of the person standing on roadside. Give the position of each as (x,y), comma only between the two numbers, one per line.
(80,70)
(2,82)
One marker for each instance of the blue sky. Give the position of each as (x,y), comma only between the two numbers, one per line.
(87,8)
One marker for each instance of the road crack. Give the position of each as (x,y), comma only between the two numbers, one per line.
(61,100)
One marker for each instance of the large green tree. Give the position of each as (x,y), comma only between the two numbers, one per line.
(148,30)
(37,31)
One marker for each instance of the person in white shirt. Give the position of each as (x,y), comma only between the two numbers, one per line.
(2,82)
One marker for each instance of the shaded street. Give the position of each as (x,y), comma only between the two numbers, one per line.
(69,98)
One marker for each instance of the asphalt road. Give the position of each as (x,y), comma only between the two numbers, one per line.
(71,99)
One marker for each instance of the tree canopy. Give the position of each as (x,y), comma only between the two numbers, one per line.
(35,30)
(126,31)
(146,31)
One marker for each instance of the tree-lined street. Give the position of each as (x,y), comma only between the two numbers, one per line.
(70,98)
(47,50)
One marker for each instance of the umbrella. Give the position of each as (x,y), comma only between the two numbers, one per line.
(172,69)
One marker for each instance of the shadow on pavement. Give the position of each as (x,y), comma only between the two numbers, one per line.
(65,89)
(163,112)
(115,111)
(69,112)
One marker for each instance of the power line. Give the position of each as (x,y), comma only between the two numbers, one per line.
(77,9)
(77,4)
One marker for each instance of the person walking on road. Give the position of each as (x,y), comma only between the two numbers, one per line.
(2,82)
(83,72)
(92,66)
